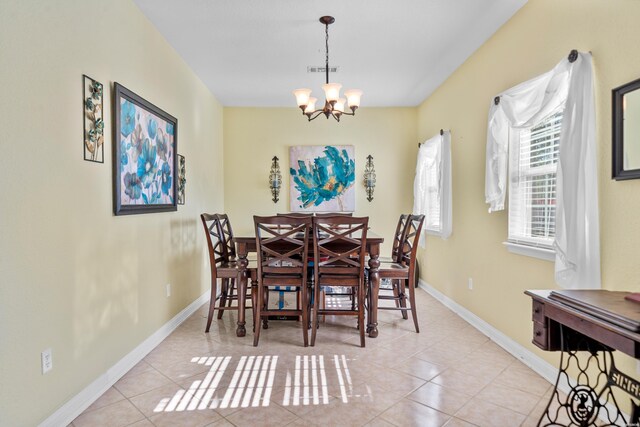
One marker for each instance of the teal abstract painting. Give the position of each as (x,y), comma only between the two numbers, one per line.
(322,178)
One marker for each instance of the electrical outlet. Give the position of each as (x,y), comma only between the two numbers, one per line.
(47,360)
(470,283)
(168,289)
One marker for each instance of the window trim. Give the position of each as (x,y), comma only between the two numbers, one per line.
(546,254)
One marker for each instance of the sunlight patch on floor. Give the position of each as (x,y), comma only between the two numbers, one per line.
(252,383)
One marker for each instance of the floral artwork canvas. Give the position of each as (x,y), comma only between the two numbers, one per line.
(322,178)
(145,159)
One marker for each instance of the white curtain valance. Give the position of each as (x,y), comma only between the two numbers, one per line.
(432,186)
(570,84)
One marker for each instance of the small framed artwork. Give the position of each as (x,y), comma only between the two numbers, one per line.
(145,162)
(322,178)
(93,129)
(182,178)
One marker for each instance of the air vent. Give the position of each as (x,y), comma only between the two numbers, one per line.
(321,69)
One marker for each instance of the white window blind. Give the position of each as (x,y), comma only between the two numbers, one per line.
(532,178)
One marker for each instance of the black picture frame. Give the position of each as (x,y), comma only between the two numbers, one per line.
(146,136)
(618,172)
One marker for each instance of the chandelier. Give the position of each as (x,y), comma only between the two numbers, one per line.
(334,106)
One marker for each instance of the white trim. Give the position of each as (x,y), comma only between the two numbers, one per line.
(81,401)
(532,251)
(535,362)
(541,366)
(434,232)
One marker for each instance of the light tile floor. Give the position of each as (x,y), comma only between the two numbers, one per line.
(447,375)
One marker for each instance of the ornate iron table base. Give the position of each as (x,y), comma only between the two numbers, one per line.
(590,401)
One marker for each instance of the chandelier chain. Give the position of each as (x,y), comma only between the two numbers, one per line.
(326,42)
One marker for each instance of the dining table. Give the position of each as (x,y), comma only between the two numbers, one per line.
(247,244)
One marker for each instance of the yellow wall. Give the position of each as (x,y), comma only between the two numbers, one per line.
(532,42)
(252,136)
(92,286)
(73,277)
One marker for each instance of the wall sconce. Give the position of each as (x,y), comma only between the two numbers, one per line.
(369,177)
(275,179)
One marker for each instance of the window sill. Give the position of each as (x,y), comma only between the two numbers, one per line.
(432,232)
(532,251)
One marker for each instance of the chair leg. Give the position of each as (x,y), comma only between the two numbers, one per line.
(309,304)
(265,293)
(322,304)
(396,297)
(256,319)
(402,294)
(232,288)
(412,301)
(314,313)
(223,297)
(305,320)
(254,301)
(212,302)
(361,323)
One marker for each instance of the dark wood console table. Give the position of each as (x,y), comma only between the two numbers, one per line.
(598,322)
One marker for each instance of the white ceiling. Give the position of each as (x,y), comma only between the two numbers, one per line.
(255,52)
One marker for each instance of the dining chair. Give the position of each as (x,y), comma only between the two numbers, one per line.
(223,265)
(327,291)
(282,244)
(395,249)
(397,239)
(402,272)
(226,238)
(283,290)
(339,245)
(227,235)
(324,292)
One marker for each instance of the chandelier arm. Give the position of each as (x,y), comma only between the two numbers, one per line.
(315,114)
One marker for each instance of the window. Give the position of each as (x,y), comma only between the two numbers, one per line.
(560,225)
(532,178)
(432,214)
(432,186)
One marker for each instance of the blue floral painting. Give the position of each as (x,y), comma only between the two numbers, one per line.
(146,159)
(322,178)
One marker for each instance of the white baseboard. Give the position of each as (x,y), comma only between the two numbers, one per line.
(81,401)
(541,366)
(535,362)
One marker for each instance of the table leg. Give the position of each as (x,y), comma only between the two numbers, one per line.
(242,290)
(587,400)
(374,284)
